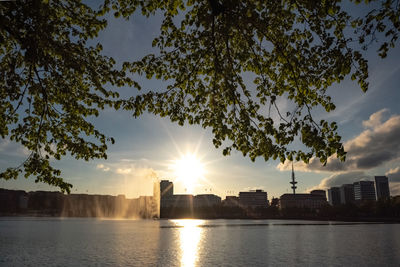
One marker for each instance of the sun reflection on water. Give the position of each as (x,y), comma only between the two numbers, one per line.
(190,235)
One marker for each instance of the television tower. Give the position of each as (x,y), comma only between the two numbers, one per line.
(293,182)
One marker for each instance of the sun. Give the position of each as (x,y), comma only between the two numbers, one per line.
(188,170)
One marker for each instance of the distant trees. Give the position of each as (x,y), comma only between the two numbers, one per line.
(226,65)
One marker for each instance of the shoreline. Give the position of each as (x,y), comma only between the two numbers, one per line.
(376,220)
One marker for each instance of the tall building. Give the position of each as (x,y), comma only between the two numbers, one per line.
(347,193)
(382,187)
(364,190)
(334,196)
(253,198)
(166,188)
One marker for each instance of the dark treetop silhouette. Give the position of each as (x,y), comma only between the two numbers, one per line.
(51,80)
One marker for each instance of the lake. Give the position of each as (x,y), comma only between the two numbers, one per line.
(97,242)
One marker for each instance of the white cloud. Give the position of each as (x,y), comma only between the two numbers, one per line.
(395,189)
(131,168)
(12,148)
(102,167)
(124,170)
(375,146)
(393,174)
(375,119)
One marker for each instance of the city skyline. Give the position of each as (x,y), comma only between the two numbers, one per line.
(199,133)
(147,146)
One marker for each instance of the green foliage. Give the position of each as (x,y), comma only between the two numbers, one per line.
(51,80)
(294,50)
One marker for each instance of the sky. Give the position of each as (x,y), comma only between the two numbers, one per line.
(147,147)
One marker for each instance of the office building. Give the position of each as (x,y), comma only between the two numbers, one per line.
(347,193)
(364,190)
(382,187)
(334,196)
(206,200)
(311,201)
(177,201)
(166,188)
(318,192)
(253,198)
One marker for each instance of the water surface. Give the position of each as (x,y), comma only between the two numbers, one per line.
(96,242)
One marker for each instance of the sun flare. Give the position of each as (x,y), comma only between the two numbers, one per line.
(188,170)
(191,235)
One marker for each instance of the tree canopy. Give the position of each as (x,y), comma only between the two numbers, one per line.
(51,80)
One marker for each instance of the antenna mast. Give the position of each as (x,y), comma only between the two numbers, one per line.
(293,182)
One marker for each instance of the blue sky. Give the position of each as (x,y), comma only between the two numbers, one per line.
(146,147)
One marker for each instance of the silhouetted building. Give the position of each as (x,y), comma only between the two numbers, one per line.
(382,187)
(364,190)
(346,193)
(253,198)
(231,201)
(206,200)
(166,188)
(45,203)
(177,201)
(311,201)
(318,192)
(13,201)
(334,196)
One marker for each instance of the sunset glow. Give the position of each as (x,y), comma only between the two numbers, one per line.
(190,235)
(188,169)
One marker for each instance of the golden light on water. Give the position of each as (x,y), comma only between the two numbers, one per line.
(189,170)
(190,235)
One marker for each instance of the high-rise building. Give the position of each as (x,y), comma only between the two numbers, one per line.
(347,193)
(364,190)
(334,196)
(382,187)
(253,198)
(166,188)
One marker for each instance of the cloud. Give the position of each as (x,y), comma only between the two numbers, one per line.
(12,148)
(393,175)
(124,170)
(145,172)
(338,179)
(378,144)
(375,119)
(102,167)
(130,168)
(395,189)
